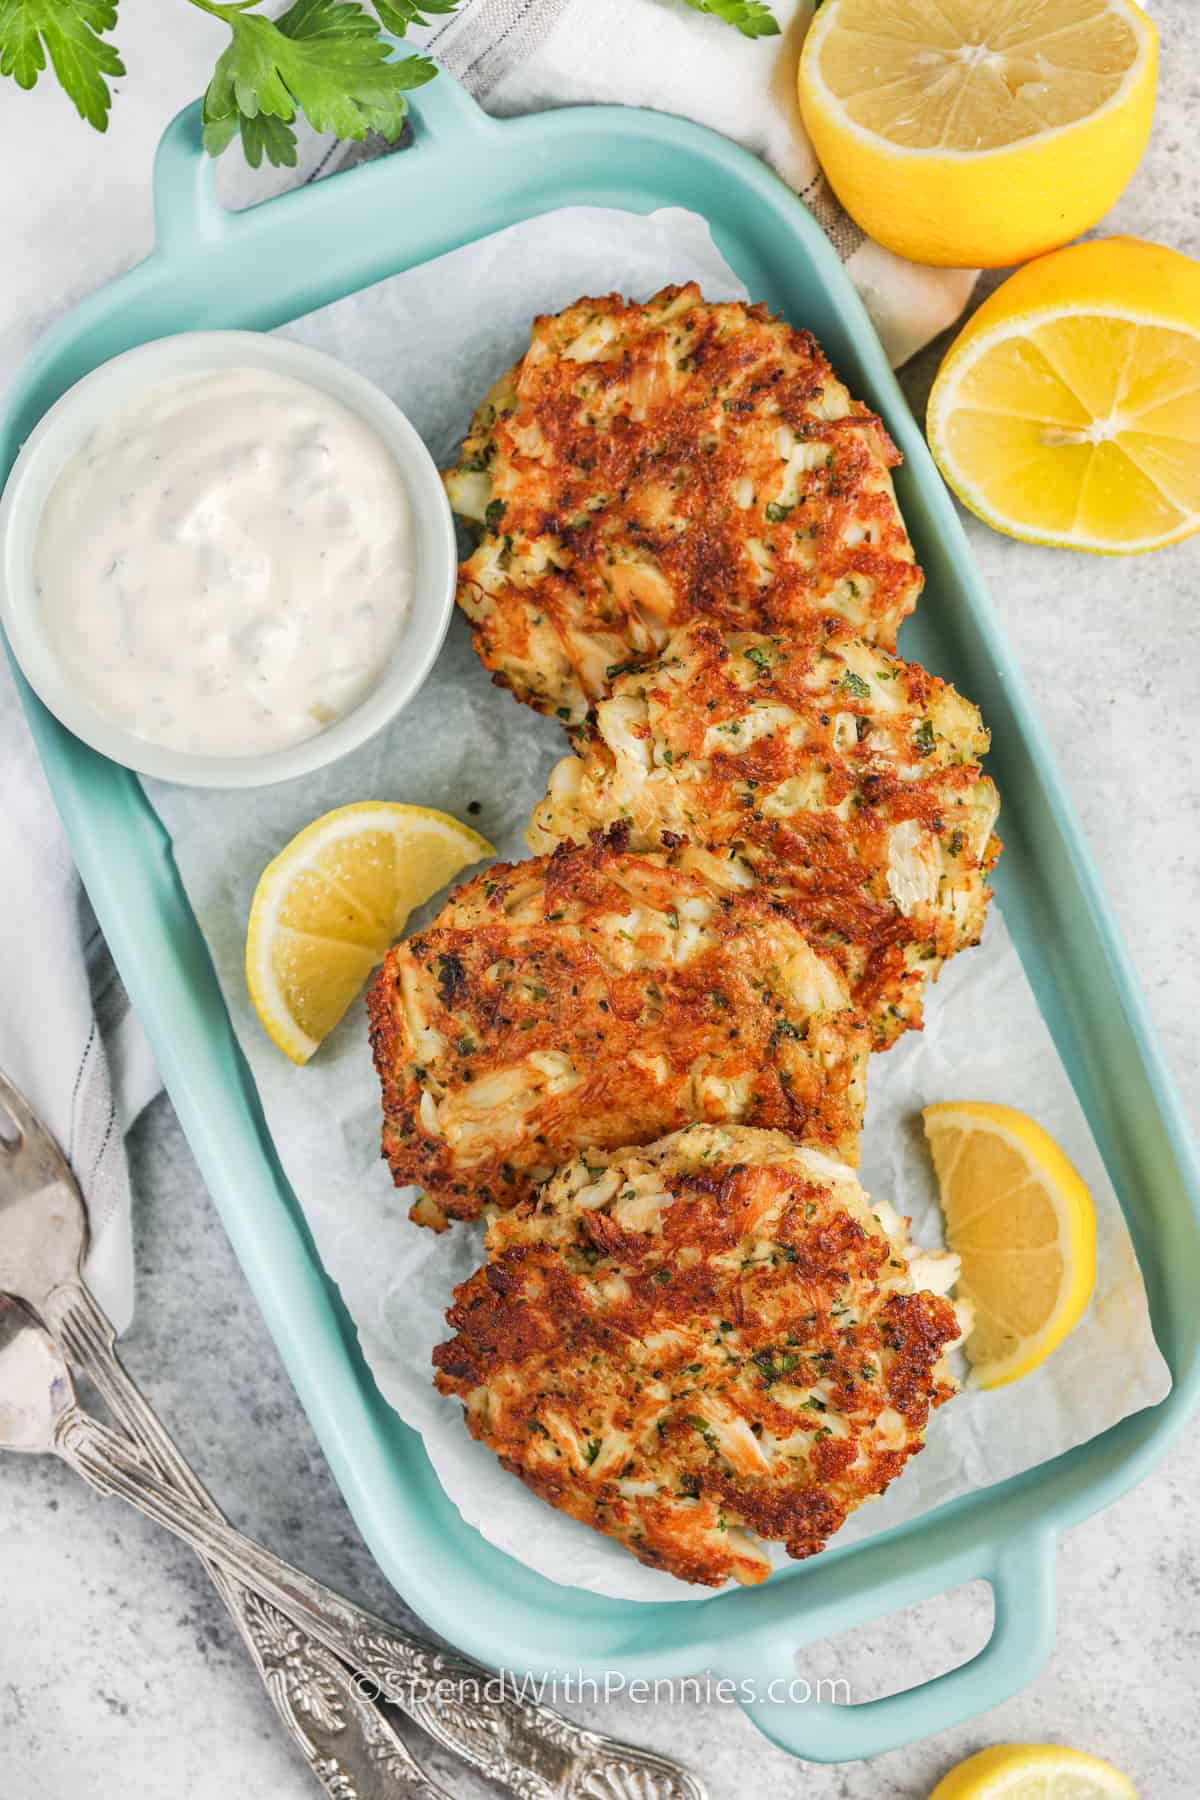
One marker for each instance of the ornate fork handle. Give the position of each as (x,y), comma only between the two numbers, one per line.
(525,1745)
(511,1738)
(351,1748)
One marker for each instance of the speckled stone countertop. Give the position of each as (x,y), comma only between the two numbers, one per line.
(119,1671)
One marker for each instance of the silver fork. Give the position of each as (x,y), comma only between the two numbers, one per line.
(324,1699)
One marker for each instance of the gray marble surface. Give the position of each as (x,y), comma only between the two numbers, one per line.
(118,1670)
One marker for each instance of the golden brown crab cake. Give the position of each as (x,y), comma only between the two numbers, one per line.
(847,778)
(601,997)
(647,464)
(700,1346)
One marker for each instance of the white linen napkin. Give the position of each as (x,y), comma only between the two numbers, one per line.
(68,1038)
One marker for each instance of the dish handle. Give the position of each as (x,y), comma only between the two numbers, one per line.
(1021,1577)
(186,207)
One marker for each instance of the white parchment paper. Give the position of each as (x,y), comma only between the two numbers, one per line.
(435,339)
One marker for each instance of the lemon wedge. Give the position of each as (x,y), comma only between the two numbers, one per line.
(332,903)
(1033,1772)
(978,133)
(1023,1224)
(1068,410)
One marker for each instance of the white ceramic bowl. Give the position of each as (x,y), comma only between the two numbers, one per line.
(60,433)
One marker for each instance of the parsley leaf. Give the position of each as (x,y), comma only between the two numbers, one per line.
(776,1365)
(324,58)
(397,15)
(68,32)
(751,17)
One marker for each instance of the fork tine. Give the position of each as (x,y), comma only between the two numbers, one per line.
(31,1133)
(20,1114)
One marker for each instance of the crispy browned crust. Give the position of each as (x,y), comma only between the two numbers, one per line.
(875,743)
(648,483)
(749,1362)
(597,997)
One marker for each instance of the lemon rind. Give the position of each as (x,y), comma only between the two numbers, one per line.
(991,1773)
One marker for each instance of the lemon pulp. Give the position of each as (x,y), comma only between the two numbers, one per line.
(1068,409)
(1023,1224)
(330,905)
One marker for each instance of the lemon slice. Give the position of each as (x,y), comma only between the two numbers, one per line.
(978,132)
(1022,1221)
(1068,410)
(332,903)
(1033,1772)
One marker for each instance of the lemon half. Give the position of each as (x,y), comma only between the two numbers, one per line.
(1033,1772)
(978,133)
(333,902)
(1023,1223)
(1068,409)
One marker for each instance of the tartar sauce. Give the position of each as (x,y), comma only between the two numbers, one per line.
(224,565)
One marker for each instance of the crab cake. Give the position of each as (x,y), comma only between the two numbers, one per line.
(599,997)
(647,464)
(848,779)
(700,1345)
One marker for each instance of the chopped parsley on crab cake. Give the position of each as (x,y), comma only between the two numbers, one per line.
(703,1346)
(847,779)
(646,464)
(598,997)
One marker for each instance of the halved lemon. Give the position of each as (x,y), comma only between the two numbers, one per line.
(333,902)
(1034,1772)
(978,133)
(1068,409)
(1023,1223)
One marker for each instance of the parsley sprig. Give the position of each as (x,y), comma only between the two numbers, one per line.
(31,30)
(325,59)
(750,17)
